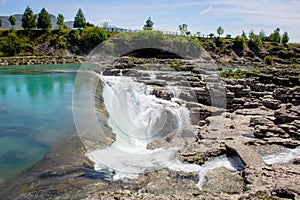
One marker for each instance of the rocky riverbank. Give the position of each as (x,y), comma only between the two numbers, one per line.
(248,120)
(40,60)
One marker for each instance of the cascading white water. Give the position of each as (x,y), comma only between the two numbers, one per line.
(137,118)
(282,157)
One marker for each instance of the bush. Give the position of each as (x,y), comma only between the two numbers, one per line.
(239,45)
(11,45)
(268,60)
(92,36)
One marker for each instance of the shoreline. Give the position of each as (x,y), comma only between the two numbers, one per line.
(252,110)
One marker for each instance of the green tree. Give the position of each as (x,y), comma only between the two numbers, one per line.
(262,35)
(244,36)
(149,24)
(79,20)
(275,36)
(183,29)
(28,19)
(285,38)
(239,45)
(44,20)
(198,34)
(220,31)
(92,36)
(60,21)
(12,20)
(0,22)
(255,42)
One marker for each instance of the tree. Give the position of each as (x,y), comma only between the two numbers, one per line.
(28,19)
(275,36)
(60,21)
(44,20)
(183,29)
(0,22)
(79,20)
(285,38)
(92,36)
(149,24)
(12,20)
(239,45)
(220,31)
(198,34)
(262,35)
(244,35)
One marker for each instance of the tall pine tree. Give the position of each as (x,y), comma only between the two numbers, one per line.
(28,19)
(44,20)
(60,21)
(79,20)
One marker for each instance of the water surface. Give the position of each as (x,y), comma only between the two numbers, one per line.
(35,112)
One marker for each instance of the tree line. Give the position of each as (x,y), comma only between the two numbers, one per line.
(42,20)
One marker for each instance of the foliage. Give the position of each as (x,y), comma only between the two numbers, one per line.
(244,36)
(239,45)
(262,35)
(148,39)
(149,24)
(108,47)
(44,20)
(28,19)
(211,35)
(12,20)
(0,22)
(268,60)
(220,31)
(11,44)
(183,29)
(255,42)
(79,20)
(285,38)
(92,36)
(235,74)
(275,36)
(60,21)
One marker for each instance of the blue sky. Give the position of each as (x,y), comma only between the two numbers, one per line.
(200,15)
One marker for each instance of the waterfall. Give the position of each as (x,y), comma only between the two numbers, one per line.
(137,118)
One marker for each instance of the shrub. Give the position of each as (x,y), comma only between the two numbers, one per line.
(268,60)
(239,45)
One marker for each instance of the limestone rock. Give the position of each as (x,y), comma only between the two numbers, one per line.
(223,180)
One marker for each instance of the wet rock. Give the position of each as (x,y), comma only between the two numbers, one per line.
(161,92)
(296,161)
(200,152)
(223,180)
(177,138)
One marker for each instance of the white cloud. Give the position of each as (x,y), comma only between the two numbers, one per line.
(207,10)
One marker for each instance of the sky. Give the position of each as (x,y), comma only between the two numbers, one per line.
(204,16)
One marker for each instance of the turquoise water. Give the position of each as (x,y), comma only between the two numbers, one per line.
(35,112)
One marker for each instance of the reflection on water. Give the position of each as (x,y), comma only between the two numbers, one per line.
(35,111)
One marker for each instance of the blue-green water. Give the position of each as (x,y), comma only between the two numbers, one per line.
(35,112)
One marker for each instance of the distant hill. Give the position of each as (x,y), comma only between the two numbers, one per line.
(6,24)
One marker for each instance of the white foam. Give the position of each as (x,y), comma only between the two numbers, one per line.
(282,157)
(137,118)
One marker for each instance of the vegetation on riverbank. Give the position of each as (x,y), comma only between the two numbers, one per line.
(38,38)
